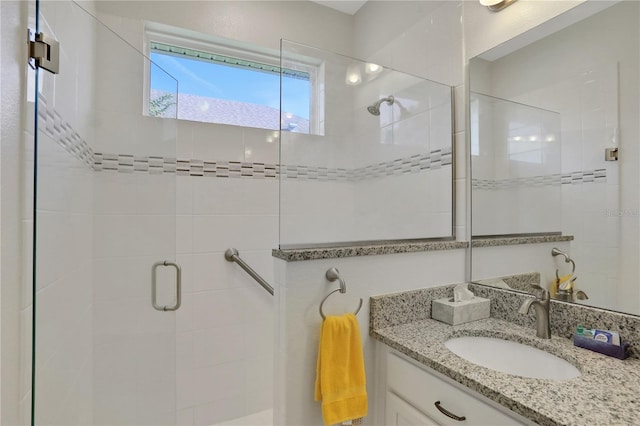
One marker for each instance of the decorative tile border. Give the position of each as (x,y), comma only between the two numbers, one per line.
(414,164)
(124,163)
(573,178)
(226,169)
(63,133)
(52,124)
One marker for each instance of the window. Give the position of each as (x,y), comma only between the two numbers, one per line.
(225,85)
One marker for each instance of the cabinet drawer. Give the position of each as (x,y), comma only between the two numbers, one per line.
(422,389)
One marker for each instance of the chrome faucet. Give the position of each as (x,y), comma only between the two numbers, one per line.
(541,308)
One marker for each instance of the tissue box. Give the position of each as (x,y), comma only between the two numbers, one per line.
(454,313)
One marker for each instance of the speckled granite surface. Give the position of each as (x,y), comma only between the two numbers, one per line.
(607,393)
(408,306)
(294,255)
(405,307)
(564,317)
(510,241)
(520,282)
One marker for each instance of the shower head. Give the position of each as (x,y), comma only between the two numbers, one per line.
(375,108)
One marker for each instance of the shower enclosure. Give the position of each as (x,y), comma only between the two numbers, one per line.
(119,336)
(374,162)
(104,209)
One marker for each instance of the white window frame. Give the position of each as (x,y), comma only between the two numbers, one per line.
(235,49)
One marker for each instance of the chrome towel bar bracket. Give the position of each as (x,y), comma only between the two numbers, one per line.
(232,255)
(332,275)
(557,252)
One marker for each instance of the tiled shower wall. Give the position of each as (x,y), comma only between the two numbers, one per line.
(226,196)
(225,326)
(362,170)
(515,151)
(423,39)
(64,383)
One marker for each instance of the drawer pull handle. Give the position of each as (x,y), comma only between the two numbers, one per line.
(448,413)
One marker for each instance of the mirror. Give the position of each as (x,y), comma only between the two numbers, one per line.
(542,119)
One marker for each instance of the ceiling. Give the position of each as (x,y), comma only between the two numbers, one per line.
(345,6)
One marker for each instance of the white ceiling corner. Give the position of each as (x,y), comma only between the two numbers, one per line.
(345,6)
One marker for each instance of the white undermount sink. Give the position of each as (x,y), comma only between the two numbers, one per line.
(512,358)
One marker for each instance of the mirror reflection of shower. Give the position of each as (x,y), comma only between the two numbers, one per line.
(375,108)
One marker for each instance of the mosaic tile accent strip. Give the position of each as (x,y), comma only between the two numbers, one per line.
(414,164)
(59,130)
(573,178)
(125,163)
(52,124)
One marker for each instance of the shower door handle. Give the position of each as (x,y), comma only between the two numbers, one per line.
(178,286)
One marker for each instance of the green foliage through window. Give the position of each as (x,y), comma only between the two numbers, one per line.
(159,105)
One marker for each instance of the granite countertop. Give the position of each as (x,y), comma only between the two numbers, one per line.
(511,241)
(607,392)
(408,246)
(294,255)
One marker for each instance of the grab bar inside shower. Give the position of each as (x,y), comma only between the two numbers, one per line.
(232,255)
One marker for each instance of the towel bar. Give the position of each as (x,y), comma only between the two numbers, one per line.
(232,255)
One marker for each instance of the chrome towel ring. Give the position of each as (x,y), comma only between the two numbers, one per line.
(332,275)
(556,252)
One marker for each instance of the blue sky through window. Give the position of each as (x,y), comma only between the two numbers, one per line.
(208,79)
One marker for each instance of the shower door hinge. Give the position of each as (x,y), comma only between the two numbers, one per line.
(611,154)
(44,52)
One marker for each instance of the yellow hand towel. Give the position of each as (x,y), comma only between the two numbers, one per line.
(340,377)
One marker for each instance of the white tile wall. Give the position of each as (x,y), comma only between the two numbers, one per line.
(225,324)
(492,262)
(64,321)
(302,286)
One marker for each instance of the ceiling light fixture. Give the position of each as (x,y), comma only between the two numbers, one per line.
(353,77)
(496,5)
(371,68)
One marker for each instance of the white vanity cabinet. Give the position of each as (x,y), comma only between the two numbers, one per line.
(412,394)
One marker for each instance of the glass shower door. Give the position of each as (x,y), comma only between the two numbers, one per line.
(104,208)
